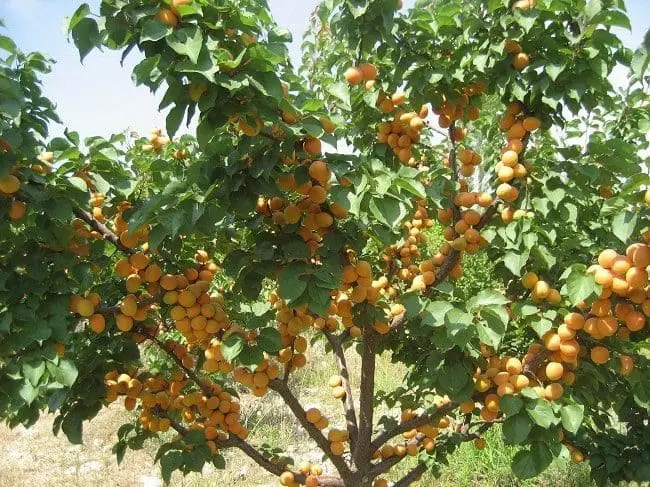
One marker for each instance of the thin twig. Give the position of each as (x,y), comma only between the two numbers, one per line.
(105,232)
(190,373)
(411,424)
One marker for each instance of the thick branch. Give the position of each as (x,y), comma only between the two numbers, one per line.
(314,433)
(363,452)
(348,401)
(411,424)
(412,476)
(106,233)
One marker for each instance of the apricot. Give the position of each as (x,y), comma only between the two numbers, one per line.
(353,76)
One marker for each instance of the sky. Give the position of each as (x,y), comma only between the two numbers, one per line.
(99,98)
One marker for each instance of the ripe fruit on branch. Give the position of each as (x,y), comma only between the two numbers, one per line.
(9,184)
(167,17)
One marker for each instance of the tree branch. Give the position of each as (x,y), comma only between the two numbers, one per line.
(412,476)
(348,401)
(106,233)
(397,321)
(411,424)
(363,451)
(314,433)
(388,463)
(188,372)
(447,265)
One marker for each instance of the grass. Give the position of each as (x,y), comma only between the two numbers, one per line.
(35,456)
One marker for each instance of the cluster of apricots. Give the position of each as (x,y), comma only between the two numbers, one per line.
(211,409)
(317,418)
(407,253)
(540,290)
(311,472)
(449,111)
(196,314)
(337,439)
(403,132)
(336,384)
(468,160)
(258,381)
(517,127)
(413,441)
(519,58)
(121,228)
(554,361)
(356,75)
(9,186)
(311,210)
(625,276)
(157,141)
(462,235)
(291,323)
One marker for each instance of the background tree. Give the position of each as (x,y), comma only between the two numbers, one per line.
(174,275)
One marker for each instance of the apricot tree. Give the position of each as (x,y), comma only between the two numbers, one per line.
(185,276)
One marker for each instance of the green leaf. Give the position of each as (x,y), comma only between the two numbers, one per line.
(515,261)
(85,35)
(341,91)
(387,210)
(554,70)
(270,340)
(82,12)
(175,118)
(527,464)
(232,347)
(510,404)
(580,285)
(78,183)
(28,392)
(412,186)
(72,426)
(291,281)
(623,225)
(640,61)
(187,41)
(572,416)
(170,462)
(516,429)
(434,313)
(5,321)
(541,412)
(493,326)
(486,297)
(64,373)
(153,30)
(592,9)
(33,371)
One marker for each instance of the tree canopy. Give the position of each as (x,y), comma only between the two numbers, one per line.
(186,275)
